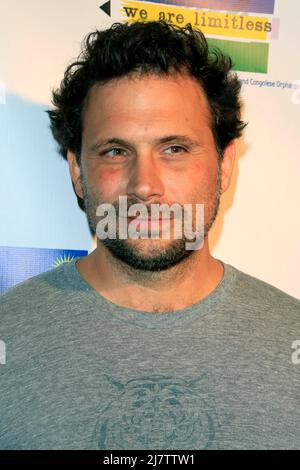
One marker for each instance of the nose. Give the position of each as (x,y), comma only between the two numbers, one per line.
(145,180)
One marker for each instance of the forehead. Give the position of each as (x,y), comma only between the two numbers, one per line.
(146,101)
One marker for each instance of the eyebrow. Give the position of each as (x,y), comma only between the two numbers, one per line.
(162,140)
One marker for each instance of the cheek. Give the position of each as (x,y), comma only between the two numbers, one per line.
(108,182)
(201,180)
(208,182)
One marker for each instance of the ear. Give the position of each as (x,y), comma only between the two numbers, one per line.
(227,165)
(74,169)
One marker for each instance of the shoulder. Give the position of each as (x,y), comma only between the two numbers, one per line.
(263,307)
(250,288)
(37,291)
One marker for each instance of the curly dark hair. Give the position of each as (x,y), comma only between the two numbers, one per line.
(141,48)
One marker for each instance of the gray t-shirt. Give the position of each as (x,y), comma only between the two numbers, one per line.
(84,373)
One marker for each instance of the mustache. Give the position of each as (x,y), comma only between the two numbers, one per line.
(132,202)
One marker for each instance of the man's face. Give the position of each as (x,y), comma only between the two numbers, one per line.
(135,115)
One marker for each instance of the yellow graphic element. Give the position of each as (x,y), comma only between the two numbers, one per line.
(62,260)
(210,22)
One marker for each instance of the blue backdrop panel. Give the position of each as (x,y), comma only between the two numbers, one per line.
(18,263)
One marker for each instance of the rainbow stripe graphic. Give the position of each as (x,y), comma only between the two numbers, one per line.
(247,6)
(248,25)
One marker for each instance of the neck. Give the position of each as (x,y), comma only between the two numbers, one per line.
(176,288)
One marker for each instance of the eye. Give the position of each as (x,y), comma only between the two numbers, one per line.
(178,149)
(117,152)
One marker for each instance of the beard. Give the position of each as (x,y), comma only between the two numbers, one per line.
(150,255)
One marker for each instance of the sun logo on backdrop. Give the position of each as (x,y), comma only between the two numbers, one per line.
(62,260)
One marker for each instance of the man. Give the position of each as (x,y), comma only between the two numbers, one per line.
(146,343)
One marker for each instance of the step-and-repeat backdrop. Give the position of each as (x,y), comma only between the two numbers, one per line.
(258,226)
